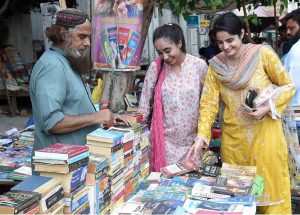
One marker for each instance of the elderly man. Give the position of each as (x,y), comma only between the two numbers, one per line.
(61,102)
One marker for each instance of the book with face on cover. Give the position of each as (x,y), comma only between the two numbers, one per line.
(184,166)
(61,151)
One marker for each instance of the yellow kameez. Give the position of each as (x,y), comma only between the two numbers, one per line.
(246,141)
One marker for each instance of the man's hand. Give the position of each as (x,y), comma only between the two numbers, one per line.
(104,117)
(120,118)
(197,149)
(73,123)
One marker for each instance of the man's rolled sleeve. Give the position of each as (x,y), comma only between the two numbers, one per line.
(51,120)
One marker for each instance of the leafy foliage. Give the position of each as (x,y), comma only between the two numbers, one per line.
(187,7)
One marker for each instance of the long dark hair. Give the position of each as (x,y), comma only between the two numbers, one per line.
(171,31)
(228,22)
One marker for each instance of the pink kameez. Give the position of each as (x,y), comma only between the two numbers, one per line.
(180,97)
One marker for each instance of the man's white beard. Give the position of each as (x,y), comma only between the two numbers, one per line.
(79,62)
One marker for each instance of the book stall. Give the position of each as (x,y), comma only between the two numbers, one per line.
(14,80)
(111,175)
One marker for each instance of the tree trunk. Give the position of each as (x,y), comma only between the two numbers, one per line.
(116,84)
(147,16)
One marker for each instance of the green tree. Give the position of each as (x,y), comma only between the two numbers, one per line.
(186,7)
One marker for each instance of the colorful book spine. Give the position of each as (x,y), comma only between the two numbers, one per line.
(78,176)
(78,157)
(78,164)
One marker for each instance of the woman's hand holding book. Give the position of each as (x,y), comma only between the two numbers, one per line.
(197,149)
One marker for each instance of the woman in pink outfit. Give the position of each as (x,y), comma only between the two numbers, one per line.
(174,83)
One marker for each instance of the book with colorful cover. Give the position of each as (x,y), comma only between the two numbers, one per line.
(231,190)
(240,200)
(124,129)
(32,209)
(131,208)
(243,172)
(180,168)
(13,202)
(97,163)
(233,181)
(60,168)
(105,136)
(131,100)
(220,207)
(61,151)
(204,191)
(210,207)
(163,206)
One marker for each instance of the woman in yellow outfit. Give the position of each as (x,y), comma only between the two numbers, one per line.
(248,138)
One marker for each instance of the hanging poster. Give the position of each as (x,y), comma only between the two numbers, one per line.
(117,28)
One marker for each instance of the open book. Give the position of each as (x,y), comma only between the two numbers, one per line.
(183,166)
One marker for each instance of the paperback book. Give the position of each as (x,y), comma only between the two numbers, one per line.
(180,168)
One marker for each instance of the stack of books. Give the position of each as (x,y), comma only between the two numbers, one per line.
(98,183)
(19,202)
(67,163)
(144,153)
(50,189)
(137,129)
(109,143)
(131,102)
(133,117)
(127,142)
(27,136)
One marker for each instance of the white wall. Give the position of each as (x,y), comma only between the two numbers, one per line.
(193,40)
(23,29)
(20,35)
